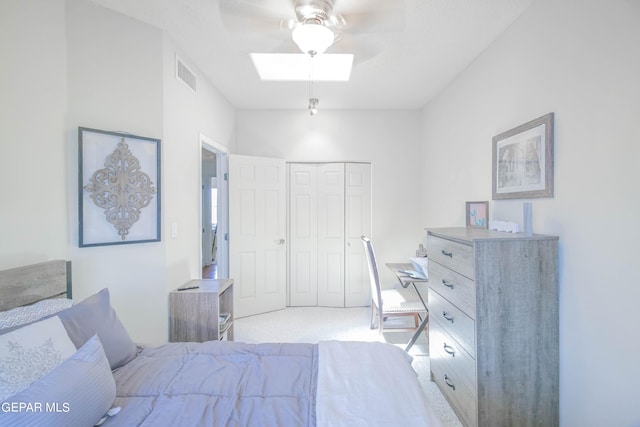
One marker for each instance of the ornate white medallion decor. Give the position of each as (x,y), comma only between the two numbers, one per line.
(121,189)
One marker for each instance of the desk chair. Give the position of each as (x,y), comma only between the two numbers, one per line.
(387,303)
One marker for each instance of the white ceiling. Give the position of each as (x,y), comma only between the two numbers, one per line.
(399,68)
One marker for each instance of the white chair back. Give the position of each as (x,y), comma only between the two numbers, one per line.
(374,278)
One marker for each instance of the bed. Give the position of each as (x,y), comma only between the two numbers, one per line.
(95,373)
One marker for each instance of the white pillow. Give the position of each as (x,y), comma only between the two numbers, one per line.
(28,314)
(77,393)
(28,353)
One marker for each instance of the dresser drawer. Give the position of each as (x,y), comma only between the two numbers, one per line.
(458,289)
(443,347)
(462,400)
(457,324)
(453,255)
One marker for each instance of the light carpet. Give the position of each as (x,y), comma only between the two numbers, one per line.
(314,324)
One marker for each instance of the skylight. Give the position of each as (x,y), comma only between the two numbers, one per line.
(297,66)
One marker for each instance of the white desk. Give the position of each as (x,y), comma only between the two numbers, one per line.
(406,280)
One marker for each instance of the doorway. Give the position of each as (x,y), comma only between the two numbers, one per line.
(214,211)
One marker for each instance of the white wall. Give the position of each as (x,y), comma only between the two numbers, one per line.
(186,115)
(122,77)
(72,63)
(115,84)
(389,139)
(33,103)
(580,60)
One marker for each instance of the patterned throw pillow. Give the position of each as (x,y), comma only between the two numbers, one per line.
(82,387)
(24,315)
(28,353)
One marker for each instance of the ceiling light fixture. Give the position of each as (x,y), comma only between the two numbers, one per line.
(312,37)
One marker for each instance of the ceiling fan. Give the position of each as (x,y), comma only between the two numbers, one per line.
(313,26)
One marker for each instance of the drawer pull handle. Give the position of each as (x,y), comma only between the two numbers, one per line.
(447,382)
(449,254)
(449,350)
(447,284)
(447,316)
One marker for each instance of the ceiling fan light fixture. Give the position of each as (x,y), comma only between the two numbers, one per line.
(312,38)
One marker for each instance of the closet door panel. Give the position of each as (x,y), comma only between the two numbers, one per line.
(357,223)
(331,235)
(303,235)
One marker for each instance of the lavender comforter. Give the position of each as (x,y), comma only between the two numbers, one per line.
(218,384)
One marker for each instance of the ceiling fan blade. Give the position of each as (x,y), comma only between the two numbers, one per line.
(372,16)
(361,51)
(287,46)
(256,16)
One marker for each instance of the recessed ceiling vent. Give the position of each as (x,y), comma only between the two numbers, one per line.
(185,75)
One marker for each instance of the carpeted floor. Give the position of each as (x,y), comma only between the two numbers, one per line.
(314,324)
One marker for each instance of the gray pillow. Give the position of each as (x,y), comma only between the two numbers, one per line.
(93,316)
(77,393)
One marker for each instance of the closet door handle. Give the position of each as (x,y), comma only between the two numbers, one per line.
(279,242)
(446,253)
(447,316)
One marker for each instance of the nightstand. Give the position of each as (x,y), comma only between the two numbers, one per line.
(204,313)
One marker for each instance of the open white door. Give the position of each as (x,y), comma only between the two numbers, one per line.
(257,230)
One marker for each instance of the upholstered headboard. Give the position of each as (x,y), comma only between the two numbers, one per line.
(31,283)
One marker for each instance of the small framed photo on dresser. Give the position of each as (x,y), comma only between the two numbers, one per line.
(478,214)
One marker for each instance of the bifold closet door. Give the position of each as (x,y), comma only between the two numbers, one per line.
(303,234)
(329,209)
(331,235)
(316,234)
(357,223)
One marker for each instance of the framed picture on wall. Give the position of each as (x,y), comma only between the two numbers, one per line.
(478,214)
(523,161)
(118,188)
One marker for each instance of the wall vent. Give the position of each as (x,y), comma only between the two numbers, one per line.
(185,75)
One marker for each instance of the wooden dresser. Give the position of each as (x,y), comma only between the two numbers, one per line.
(493,334)
(195,314)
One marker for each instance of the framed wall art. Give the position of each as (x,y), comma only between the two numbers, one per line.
(478,214)
(119,188)
(523,161)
